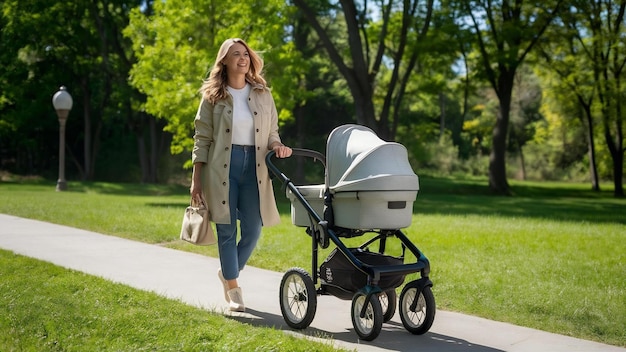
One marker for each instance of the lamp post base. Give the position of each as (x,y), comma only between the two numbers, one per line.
(61,185)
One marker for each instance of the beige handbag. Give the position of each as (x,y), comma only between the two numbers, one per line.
(196,226)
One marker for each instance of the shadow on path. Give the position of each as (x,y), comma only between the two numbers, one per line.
(393,337)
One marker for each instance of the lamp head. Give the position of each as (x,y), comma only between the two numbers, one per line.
(62,100)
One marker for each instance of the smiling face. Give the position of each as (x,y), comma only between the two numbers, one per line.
(237,60)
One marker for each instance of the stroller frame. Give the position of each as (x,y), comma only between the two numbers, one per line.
(417,305)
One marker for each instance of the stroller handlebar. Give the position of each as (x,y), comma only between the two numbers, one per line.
(271,155)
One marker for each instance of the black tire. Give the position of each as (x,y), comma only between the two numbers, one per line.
(298,298)
(420,320)
(369,326)
(388,302)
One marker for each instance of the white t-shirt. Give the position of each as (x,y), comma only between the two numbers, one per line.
(243,123)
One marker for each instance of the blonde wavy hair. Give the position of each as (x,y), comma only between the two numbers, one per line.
(214,87)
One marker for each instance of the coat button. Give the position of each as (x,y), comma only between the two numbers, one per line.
(257,130)
(223,202)
(226,148)
(224,183)
(258,148)
(229,111)
(228,130)
(225,165)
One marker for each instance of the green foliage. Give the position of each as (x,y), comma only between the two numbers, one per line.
(441,89)
(177,43)
(72,43)
(586,79)
(170,64)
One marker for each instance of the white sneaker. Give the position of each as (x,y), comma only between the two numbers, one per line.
(236,300)
(224,284)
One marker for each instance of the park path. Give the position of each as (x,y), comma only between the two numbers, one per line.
(192,279)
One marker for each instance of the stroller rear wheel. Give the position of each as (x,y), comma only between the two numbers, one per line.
(298,298)
(417,308)
(369,325)
(388,303)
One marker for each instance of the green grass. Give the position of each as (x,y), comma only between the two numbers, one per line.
(551,257)
(48,308)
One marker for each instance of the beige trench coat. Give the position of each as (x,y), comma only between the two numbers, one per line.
(212,144)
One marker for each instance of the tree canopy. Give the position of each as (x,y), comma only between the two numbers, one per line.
(453,80)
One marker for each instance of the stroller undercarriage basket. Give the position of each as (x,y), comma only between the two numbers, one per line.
(341,278)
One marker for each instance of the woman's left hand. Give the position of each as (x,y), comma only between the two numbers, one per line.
(282,151)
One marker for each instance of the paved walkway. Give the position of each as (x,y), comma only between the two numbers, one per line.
(192,279)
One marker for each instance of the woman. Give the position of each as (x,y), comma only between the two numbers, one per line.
(236,125)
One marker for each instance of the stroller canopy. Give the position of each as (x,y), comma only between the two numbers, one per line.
(357,160)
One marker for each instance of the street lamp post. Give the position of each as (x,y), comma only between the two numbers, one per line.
(62,102)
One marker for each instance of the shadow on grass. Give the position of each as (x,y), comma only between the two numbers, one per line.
(555,201)
(565,202)
(131,189)
(445,196)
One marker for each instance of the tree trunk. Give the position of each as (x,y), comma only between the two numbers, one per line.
(143,157)
(364,110)
(593,169)
(618,158)
(137,126)
(618,174)
(520,150)
(497,159)
(442,111)
(154,150)
(88,175)
(299,176)
(617,154)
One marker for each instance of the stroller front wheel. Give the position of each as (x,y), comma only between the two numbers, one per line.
(298,298)
(370,324)
(417,308)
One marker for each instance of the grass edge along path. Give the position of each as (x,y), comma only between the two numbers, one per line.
(49,308)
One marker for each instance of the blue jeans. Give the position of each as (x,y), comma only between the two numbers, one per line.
(245,207)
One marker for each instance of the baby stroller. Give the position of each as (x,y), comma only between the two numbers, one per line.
(369,190)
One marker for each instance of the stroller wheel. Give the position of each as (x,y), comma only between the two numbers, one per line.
(417,308)
(388,303)
(369,325)
(298,298)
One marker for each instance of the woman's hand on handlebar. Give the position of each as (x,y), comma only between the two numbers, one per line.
(282,151)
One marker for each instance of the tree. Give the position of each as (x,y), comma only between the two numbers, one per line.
(590,62)
(563,65)
(176,43)
(504,34)
(605,21)
(385,36)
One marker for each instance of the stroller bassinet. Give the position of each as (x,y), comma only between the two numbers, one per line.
(370,181)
